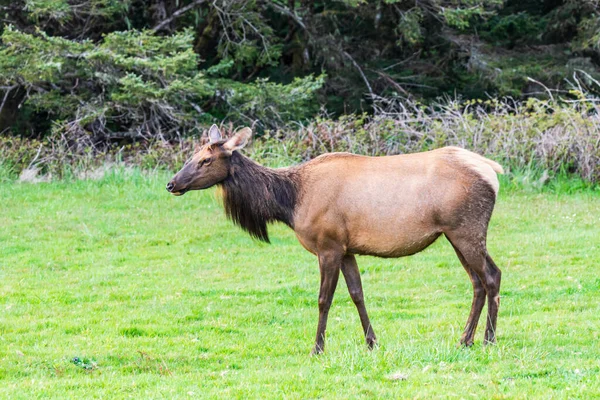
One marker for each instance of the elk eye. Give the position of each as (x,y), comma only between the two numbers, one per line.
(206,161)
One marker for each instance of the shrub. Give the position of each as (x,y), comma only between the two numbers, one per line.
(542,135)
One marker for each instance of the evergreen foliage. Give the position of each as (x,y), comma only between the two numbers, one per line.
(108,70)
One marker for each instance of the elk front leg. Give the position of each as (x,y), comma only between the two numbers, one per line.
(352,276)
(329,265)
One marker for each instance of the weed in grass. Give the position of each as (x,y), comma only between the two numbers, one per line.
(146,363)
(85,363)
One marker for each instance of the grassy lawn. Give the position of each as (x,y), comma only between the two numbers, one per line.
(162,297)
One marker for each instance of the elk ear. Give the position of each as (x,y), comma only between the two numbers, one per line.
(214,134)
(239,140)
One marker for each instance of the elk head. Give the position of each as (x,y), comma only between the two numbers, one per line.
(210,164)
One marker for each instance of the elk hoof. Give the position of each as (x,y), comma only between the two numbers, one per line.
(371,343)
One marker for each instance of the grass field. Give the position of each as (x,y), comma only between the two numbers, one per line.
(115,289)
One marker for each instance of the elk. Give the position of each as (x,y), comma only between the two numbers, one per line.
(341,205)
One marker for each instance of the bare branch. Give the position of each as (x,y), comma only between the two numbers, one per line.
(287,12)
(393,82)
(36,157)
(549,91)
(8,90)
(177,14)
(360,71)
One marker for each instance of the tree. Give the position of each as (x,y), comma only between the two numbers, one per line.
(100,62)
(128,83)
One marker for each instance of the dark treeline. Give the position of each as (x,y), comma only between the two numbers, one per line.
(112,69)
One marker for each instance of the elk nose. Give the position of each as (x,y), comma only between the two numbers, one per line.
(170,186)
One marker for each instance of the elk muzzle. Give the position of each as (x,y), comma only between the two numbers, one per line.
(172,188)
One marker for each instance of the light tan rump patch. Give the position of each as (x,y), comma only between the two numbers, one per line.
(484,167)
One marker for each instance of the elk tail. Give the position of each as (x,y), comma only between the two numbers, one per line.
(495,166)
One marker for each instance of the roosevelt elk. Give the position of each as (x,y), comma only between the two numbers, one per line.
(340,205)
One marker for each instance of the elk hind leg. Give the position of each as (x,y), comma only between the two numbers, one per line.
(483,272)
(479,294)
(493,277)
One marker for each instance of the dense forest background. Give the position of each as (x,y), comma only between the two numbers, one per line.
(103,72)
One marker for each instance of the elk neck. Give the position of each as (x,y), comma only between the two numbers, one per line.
(254,195)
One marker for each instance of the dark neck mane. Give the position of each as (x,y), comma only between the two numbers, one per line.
(254,195)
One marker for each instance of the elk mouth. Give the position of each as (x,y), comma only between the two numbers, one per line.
(179,193)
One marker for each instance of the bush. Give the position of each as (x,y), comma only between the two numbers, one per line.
(540,134)
(558,138)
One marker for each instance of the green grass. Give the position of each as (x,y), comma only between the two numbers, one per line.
(161,297)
